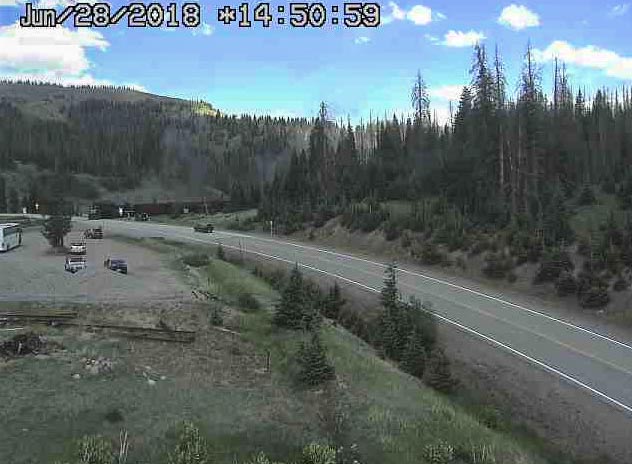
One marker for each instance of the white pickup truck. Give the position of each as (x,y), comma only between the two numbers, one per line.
(75,263)
(78,248)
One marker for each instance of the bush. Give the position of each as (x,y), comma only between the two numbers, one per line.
(191,447)
(95,450)
(217,318)
(566,284)
(511,277)
(406,239)
(497,265)
(552,266)
(247,301)
(440,452)
(220,253)
(392,230)
(431,255)
(594,298)
(621,284)
(196,260)
(437,373)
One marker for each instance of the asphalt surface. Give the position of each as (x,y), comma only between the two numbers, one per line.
(592,362)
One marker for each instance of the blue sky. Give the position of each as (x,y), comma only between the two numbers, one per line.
(286,71)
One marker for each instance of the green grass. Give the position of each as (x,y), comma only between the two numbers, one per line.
(217,383)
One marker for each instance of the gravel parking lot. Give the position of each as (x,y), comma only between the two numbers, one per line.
(34,273)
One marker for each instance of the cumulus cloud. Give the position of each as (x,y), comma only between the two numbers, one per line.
(57,49)
(50,55)
(362,40)
(518,17)
(462,39)
(419,15)
(620,10)
(447,92)
(590,56)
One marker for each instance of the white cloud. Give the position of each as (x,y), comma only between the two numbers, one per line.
(518,17)
(419,15)
(57,49)
(50,55)
(204,29)
(620,10)
(361,40)
(610,62)
(462,39)
(447,92)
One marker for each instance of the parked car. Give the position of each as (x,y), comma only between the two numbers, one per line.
(75,263)
(77,248)
(117,265)
(206,228)
(93,233)
(142,217)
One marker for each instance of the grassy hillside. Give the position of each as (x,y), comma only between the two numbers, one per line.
(220,383)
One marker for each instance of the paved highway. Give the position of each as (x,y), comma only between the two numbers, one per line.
(591,361)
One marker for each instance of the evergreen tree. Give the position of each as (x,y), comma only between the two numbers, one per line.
(291,310)
(389,293)
(58,224)
(314,367)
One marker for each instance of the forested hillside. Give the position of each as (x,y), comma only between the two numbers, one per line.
(121,137)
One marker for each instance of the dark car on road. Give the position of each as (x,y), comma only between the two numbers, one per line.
(117,265)
(206,228)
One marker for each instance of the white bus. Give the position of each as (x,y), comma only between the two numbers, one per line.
(10,236)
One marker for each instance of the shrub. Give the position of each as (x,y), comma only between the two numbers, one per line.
(439,452)
(497,265)
(95,450)
(511,277)
(392,230)
(431,255)
(191,447)
(566,284)
(437,373)
(217,318)
(196,260)
(552,266)
(406,239)
(220,253)
(594,298)
(621,284)
(247,301)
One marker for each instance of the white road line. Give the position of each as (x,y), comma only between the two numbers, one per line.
(541,364)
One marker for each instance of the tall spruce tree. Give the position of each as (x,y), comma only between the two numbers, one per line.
(291,310)
(314,367)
